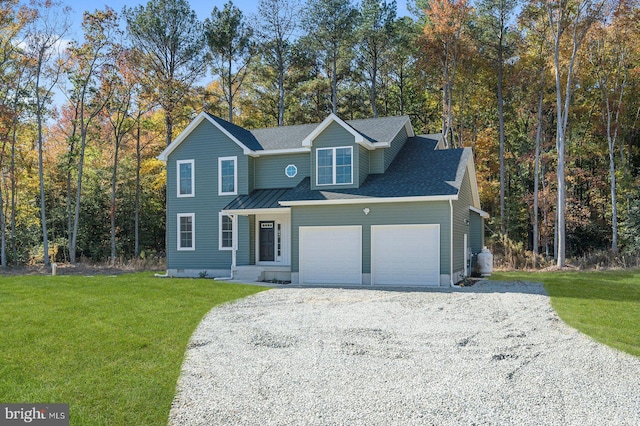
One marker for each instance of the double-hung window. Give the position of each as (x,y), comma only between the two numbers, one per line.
(334,166)
(186,231)
(225,236)
(228,176)
(186,178)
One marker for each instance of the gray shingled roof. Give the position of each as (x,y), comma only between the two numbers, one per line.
(288,137)
(244,136)
(285,137)
(382,129)
(417,171)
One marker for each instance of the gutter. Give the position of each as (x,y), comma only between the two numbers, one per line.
(451,246)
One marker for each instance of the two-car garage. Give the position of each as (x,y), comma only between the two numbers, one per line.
(400,254)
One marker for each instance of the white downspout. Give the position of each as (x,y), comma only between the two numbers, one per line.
(451,245)
(234,248)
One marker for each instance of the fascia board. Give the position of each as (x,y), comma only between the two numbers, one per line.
(368,200)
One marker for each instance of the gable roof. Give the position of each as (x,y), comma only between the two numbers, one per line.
(371,133)
(418,171)
(243,138)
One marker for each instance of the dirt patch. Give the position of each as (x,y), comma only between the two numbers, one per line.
(70,269)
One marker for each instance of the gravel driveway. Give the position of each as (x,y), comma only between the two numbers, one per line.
(494,353)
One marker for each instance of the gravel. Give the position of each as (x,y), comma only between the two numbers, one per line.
(494,353)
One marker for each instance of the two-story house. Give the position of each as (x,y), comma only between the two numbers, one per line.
(364,202)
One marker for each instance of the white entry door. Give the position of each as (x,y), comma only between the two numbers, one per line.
(330,254)
(405,254)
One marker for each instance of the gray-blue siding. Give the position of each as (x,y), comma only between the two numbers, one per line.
(204,145)
(268,171)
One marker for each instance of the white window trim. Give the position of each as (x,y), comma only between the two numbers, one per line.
(193,232)
(193,178)
(334,149)
(235,175)
(233,231)
(286,170)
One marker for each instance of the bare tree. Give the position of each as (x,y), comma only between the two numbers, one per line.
(569,21)
(44,45)
(89,61)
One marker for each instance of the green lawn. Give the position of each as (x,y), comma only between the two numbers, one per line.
(110,347)
(603,305)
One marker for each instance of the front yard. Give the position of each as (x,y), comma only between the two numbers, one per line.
(109,346)
(603,305)
(112,346)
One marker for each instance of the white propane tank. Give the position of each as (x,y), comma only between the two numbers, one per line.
(485,262)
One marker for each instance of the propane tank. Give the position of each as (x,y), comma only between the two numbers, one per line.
(485,262)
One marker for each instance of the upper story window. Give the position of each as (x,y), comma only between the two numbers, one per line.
(228,176)
(186,231)
(334,166)
(186,178)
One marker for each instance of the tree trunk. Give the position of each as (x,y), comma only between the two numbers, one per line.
(536,175)
(43,214)
(168,121)
(14,247)
(3,235)
(614,199)
(372,90)
(76,215)
(137,196)
(503,218)
(280,89)
(334,83)
(114,177)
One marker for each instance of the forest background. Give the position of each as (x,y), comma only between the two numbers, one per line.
(544,91)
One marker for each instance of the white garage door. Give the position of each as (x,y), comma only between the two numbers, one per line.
(405,254)
(331,254)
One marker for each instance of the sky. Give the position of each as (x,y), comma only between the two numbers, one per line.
(202,8)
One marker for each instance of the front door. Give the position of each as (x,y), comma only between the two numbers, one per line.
(267,241)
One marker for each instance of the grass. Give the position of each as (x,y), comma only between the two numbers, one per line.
(604,305)
(110,347)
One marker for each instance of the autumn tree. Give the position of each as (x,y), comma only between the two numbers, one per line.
(14,74)
(610,54)
(446,38)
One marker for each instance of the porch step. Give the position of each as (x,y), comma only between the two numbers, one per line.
(251,273)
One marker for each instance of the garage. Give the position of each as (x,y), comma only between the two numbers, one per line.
(331,254)
(405,254)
